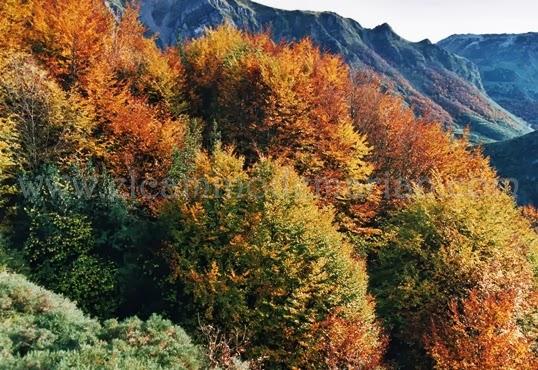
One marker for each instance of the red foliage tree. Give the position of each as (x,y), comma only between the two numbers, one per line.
(482,333)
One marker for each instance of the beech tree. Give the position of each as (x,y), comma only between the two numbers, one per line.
(286,101)
(482,333)
(137,92)
(15,15)
(69,36)
(250,249)
(47,125)
(408,150)
(446,242)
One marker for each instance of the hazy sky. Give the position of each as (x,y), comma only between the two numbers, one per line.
(416,20)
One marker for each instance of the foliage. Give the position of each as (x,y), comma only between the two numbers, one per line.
(9,146)
(121,89)
(408,150)
(45,124)
(482,334)
(248,253)
(184,159)
(41,330)
(251,249)
(10,258)
(347,342)
(140,143)
(286,101)
(138,92)
(79,235)
(459,237)
(15,15)
(135,60)
(69,37)
(531,214)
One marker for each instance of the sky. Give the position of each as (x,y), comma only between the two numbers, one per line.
(416,20)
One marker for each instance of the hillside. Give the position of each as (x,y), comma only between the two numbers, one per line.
(517,160)
(433,80)
(239,203)
(509,68)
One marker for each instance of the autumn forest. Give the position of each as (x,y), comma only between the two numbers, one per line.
(239,203)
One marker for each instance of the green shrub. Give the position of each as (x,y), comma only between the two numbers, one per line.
(83,240)
(11,258)
(41,330)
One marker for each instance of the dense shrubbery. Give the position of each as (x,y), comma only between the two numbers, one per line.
(261,253)
(41,330)
(79,235)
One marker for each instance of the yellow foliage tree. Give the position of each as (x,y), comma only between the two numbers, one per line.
(461,236)
(251,248)
(48,124)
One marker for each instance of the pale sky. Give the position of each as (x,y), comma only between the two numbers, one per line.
(416,20)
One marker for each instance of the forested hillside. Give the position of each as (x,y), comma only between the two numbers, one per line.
(435,82)
(517,161)
(233,202)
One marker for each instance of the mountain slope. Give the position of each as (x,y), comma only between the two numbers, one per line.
(509,68)
(433,80)
(517,160)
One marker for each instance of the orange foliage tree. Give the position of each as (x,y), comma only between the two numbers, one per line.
(482,333)
(70,36)
(408,150)
(136,62)
(133,88)
(136,91)
(349,343)
(282,100)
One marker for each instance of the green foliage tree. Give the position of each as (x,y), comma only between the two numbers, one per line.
(251,249)
(82,238)
(10,257)
(42,330)
(458,237)
(9,145)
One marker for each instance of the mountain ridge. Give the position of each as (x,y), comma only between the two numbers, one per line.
(445,86)
(508,65)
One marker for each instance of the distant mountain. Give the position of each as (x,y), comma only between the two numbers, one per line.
(509,68)
(517,159)
(433,80)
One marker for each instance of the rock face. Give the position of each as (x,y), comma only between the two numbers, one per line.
(433,80)
(509,68)
(517,160)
